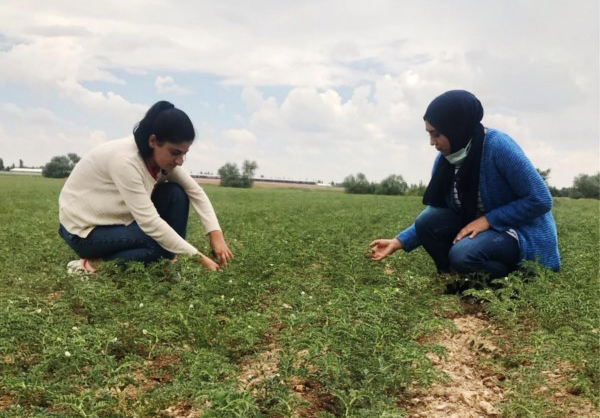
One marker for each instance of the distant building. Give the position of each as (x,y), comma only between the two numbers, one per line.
(30,171)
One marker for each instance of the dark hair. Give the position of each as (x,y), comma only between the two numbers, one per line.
(167,123)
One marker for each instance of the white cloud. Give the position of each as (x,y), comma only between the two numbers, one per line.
(357,77)
(239,136)
(36,134)
(168,85)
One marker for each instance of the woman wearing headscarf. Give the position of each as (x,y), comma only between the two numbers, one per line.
(488,209)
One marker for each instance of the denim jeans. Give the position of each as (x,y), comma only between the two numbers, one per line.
(129,242)
(492,252)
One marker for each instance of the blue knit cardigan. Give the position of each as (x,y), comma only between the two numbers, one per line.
(514,196)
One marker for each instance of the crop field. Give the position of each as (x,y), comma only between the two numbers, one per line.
(301,324)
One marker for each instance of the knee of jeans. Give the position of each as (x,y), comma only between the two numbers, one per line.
(427,220)
(156,254)
(423,222)
(465,259)
(172,191)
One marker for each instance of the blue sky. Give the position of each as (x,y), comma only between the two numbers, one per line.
(310,90)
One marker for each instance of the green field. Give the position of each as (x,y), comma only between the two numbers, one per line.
(301,324)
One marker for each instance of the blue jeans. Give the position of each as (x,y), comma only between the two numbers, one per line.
(129,242)
(492,252)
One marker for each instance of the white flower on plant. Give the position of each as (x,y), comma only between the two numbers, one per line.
(222,296)
(286,306)
(75,328)
(310,297)
(191,306)
(232,299)
(141,305)
(114,340)
(396,289)
(230,281)
(67,354)
(39,310)
(249,326)
(144,332)
(303,293)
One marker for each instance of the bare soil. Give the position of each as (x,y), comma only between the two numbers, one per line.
(472,392)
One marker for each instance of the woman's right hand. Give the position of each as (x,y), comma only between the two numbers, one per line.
(208,263)
(381,248)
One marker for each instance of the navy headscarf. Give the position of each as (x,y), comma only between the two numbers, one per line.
(457,115)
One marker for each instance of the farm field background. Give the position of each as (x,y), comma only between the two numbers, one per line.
(301,324)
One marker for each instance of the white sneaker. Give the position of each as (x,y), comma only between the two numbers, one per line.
(79,267)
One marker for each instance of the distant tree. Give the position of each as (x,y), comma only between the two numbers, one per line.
(358,184)
(231,177)
(545,174)
(74,158)
(416,189)
(392,185)
(60,166)
(587,186)
(1,164)
(555,192)
(565,192)
(248,170)
(21,164)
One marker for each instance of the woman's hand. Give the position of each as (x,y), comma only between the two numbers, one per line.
(381,248)
(473,228)
(219,247)
(208,263)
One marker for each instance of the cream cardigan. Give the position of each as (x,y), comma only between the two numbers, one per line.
(112,186)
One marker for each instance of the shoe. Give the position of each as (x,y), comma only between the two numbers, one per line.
(79,267)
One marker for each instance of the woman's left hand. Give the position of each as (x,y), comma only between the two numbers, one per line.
(219,247)
(473,228)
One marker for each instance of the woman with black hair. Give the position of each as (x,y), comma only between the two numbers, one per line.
(488,208)
(129,199)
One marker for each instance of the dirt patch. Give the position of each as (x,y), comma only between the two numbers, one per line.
(314,398)
(264,366)
(54,296)
(564,396)
(159,371)
(312,394)
(6,402)
(472,391)
(184,410)
(160,367)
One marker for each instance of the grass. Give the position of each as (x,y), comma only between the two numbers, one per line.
(134,341)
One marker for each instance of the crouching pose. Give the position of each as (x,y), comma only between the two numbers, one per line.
(488,209)
(129,199)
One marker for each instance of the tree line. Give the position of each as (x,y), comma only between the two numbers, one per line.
(584,185)
(392,185)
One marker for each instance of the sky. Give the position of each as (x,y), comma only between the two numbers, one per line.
(310,90)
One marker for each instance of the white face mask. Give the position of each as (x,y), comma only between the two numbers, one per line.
(459,156)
